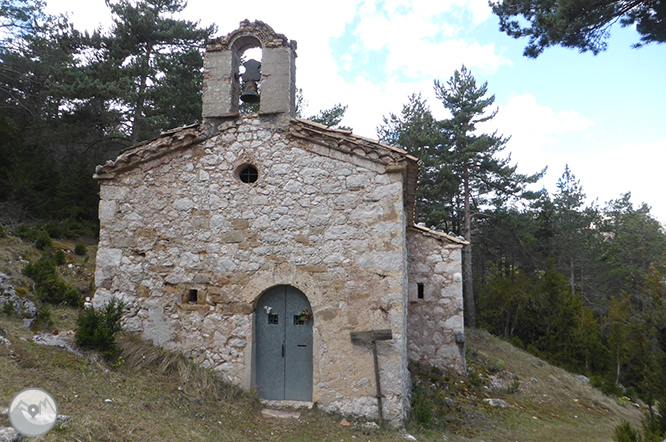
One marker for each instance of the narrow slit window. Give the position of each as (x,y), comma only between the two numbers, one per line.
(192,296)
(272,319)
(419,290)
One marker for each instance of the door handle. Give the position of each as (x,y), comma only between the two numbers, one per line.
(283,349)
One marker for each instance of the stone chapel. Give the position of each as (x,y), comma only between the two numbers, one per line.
(258,243)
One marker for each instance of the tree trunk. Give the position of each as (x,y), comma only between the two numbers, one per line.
(141,98)
(571,264)
(468,287)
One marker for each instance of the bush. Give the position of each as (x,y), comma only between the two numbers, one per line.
(654,423)
(607,386)
(43,319)
(3,232)
(8,308)
(48,286)
(97,329)
(80,249)
(625,433)
(43,241)
(59,258)
(26,232)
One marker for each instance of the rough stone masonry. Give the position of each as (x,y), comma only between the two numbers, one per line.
(190,246)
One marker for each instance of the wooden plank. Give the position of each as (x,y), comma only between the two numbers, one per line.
(370,336)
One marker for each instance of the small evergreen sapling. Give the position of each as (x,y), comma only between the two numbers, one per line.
(97,329)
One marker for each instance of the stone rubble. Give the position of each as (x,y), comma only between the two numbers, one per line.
(23,308)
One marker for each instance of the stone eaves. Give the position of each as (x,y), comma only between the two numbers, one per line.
(150,150)
(346,141)
(438,235)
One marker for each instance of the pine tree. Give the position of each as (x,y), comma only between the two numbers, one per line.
(153,63)
(580,24)
(473,162)
(418,132)
(572,222)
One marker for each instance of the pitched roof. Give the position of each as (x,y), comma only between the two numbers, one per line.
(343,141)
(149,150)
(437,234)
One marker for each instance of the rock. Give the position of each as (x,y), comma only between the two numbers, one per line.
(344,423)
(29,309)
(450,402)
(5,341)
(59,341)
(22,308)
(9,434)
(409,437)
(580,377)
(280,414)
(11,297)
(28,323)
(372,425)
(497,403)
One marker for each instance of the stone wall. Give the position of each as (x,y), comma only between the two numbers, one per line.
(435,321)
(332,229)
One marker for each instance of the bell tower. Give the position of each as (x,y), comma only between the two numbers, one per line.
(277,73)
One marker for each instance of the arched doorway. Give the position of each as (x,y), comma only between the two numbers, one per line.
(284,345)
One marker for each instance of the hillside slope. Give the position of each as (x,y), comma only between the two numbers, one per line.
(534,401)
(163,397)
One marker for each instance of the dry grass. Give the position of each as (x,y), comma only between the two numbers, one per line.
(547,404)
(156,395)
(197,384)
(162,397)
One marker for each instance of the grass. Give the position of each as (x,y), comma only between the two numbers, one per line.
(546,403)
(152,394)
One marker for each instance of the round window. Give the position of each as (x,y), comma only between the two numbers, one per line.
(248,174)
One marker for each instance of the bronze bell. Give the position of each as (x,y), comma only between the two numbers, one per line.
(250,93)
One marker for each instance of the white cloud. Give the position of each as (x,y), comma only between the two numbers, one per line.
(534,129)
(609,172)
(541,136)
(420,36)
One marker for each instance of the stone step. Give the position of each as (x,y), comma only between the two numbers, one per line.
(280,414)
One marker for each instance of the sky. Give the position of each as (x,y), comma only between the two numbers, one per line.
(604,115)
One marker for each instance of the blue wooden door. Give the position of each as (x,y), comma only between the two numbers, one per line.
(284,345)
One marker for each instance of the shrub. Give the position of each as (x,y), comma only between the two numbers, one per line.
(3,232)
(43,319)
(625,433)
(80,249)
(8,308)
(48,286)
(654,423)
(59,258)
(43,241)
(55,230)
(97,329)
(607,386)
(25,232)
